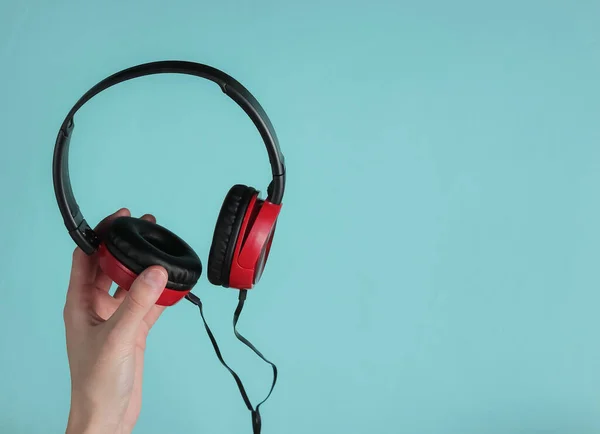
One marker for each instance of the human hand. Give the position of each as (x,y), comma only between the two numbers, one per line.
(106,337)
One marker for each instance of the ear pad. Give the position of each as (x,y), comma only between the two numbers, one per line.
(226,233)
(138,244)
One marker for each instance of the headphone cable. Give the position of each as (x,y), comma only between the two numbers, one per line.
(255,412)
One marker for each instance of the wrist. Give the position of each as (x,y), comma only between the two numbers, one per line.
(85,420)
(78,425)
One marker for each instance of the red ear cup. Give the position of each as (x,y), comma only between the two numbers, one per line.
(131,245)
(242,240)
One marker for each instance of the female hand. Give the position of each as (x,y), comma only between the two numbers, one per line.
(106,338)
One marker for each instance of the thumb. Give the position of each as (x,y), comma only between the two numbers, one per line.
(140,298)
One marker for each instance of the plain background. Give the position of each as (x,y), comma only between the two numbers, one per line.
(436,263)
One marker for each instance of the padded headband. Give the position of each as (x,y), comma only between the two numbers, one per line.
(80,231)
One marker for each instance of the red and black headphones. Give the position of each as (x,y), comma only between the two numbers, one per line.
(244,229)
(243,233)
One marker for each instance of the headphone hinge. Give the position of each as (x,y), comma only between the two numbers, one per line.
(85,237)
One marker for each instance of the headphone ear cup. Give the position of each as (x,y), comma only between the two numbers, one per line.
(137,244)
(227,231)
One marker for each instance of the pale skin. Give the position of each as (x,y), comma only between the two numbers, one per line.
(106,338)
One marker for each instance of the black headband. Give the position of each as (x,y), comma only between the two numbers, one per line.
(78,228)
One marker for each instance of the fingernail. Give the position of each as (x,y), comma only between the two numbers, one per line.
(156,278)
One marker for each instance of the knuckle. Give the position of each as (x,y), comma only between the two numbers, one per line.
(135,304)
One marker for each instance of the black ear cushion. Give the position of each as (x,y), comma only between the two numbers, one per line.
(226,233)
(138,244)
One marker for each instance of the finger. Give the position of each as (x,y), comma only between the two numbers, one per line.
(120,293)
(140,299)
(101,227)
(149,217)
(153,315)
(84,268)
(102,281)
(103,305)
(83,271)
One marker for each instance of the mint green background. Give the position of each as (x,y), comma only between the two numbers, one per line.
(436,263)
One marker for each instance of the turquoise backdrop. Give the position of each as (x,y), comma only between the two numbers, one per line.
(436,267)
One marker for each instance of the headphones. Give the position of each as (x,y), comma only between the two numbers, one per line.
(245,226)
(243,233)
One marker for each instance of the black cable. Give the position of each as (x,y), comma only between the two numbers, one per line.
(256,418)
